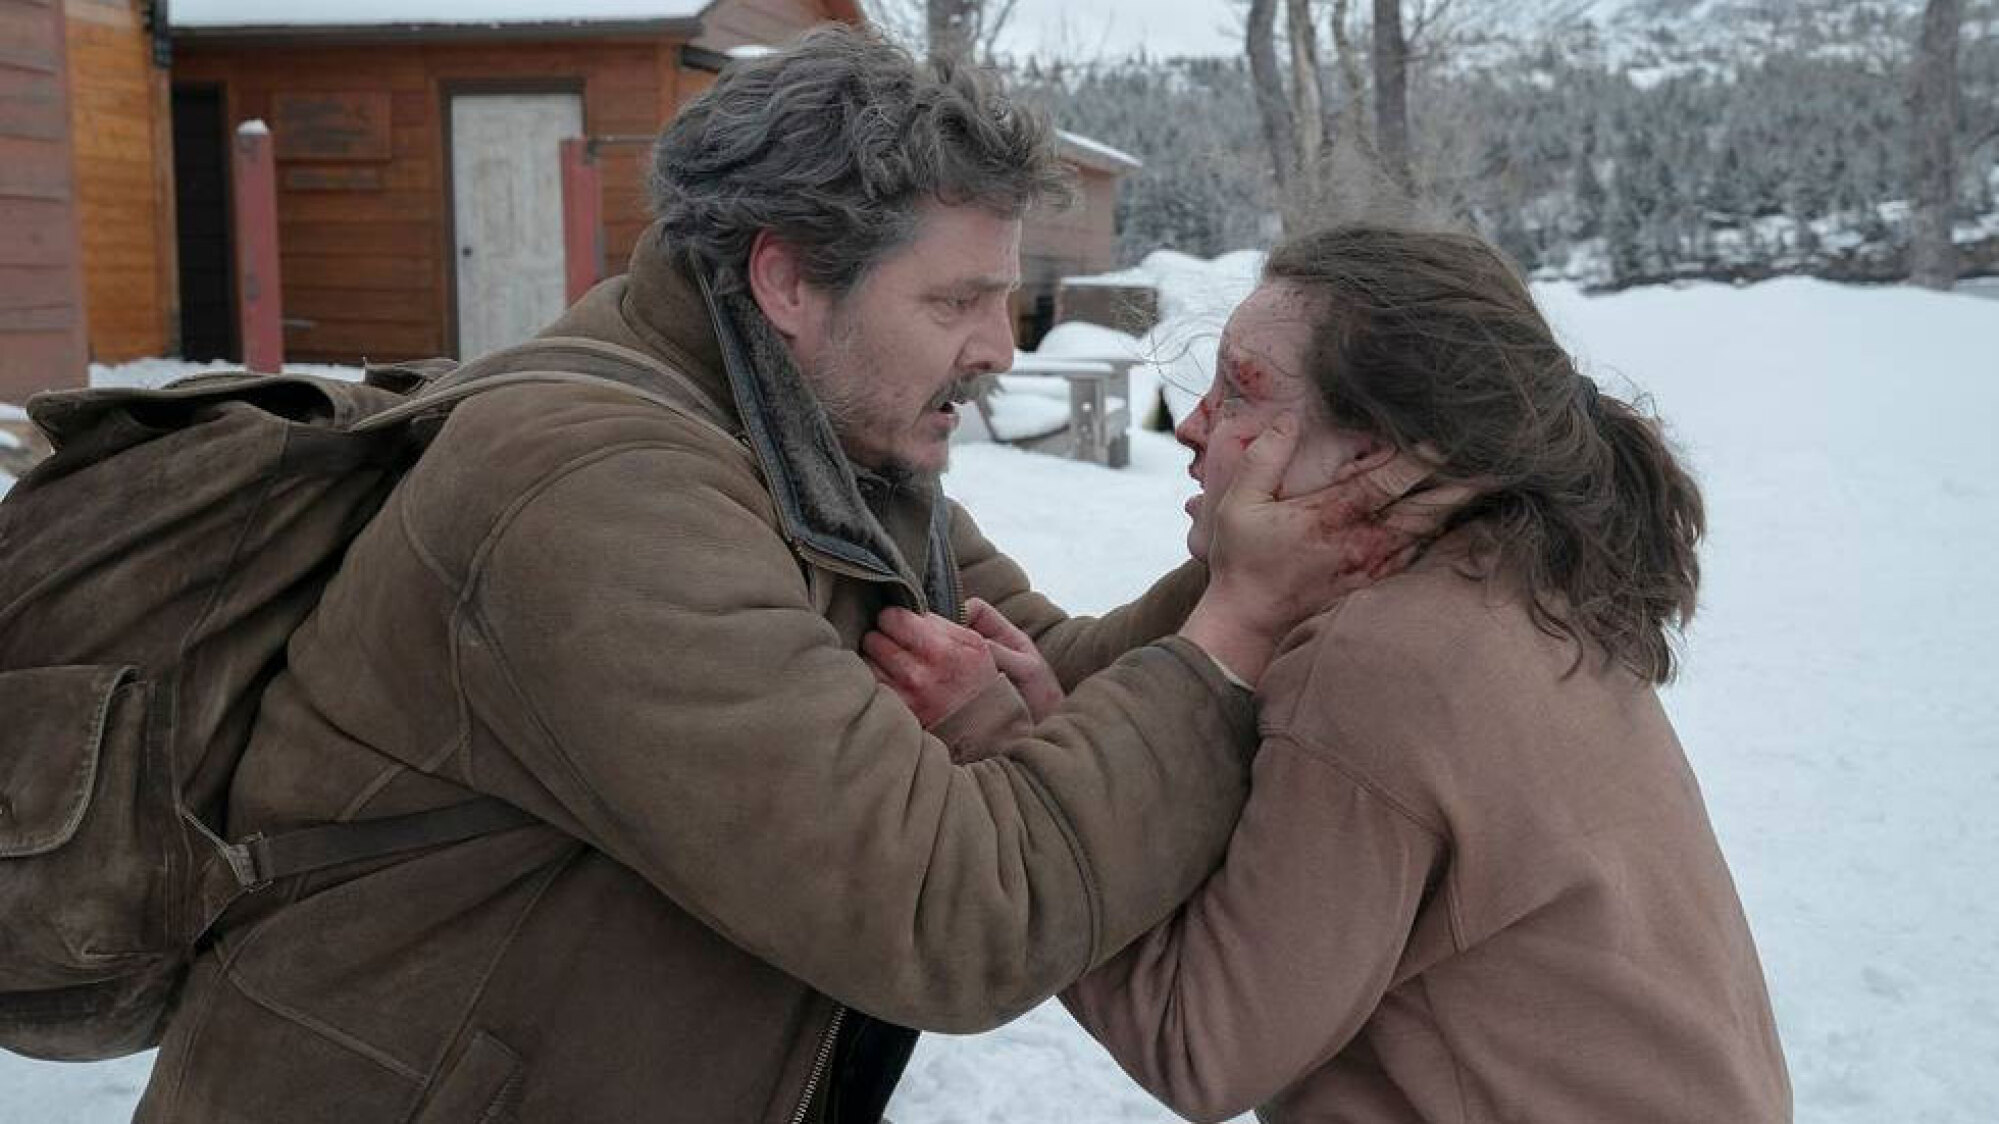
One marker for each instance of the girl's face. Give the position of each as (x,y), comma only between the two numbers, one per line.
(1261,372)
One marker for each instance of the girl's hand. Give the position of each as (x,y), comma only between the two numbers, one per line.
(1017,658)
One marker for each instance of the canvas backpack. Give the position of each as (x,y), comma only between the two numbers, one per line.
(152,570)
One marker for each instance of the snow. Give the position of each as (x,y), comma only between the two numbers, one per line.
(1024,406)
(1195,299)
(1080,340)
(1837,702)
(159,372)
(367,13)
(10,415)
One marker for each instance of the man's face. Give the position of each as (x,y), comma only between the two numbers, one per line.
(893,358)
(1261,371)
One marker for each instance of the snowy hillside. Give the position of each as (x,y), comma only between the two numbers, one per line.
(1618,143)
(1838,702)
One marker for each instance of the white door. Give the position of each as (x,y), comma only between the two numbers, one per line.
(506,176)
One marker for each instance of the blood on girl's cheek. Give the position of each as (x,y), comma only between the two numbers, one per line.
(1252,380)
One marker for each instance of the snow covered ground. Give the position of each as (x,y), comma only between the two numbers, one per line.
(1840,703)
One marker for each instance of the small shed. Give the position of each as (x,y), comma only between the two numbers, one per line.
(1081,240)
(419,195)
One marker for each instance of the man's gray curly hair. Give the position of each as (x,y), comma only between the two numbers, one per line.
(832,145)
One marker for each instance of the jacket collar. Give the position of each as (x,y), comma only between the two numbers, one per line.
(826,506)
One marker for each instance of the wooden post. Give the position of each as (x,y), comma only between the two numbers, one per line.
(582,219)
(259,295)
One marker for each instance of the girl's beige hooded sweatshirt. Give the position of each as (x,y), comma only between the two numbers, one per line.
(1470,885)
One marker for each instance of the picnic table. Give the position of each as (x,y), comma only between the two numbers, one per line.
(1096,425)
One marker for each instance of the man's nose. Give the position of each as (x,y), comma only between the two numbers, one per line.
(990,349)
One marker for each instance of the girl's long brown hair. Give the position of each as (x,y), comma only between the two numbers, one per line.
(1431,339)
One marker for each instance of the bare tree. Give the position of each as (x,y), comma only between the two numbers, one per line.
(900,20)
(1313,128)
(959,28)
(1391,91)
(1933,107)
(949,25)
(1352,123)
(1272,104)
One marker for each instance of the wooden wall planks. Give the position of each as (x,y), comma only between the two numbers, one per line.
(121,133)
(42,340)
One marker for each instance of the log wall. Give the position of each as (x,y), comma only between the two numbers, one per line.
(42,342)
(122,133)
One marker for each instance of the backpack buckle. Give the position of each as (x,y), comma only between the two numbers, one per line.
(242,860)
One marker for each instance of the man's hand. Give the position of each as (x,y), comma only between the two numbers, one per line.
(1017,658)
(1276,561)
(934,665)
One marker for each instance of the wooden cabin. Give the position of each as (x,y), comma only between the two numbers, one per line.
(1077,242)
(417,175)
(419,196)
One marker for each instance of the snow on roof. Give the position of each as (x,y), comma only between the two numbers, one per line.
(395,13)
(1097,154)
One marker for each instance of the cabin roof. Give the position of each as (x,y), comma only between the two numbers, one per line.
(191,14)
(1096,155)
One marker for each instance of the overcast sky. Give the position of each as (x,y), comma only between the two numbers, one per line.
(1083,29)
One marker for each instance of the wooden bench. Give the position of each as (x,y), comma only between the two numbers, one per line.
(1099,394)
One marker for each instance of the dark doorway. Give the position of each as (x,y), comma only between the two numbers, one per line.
(201,207)
(1035,321)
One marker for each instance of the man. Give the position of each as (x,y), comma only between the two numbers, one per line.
(640,625)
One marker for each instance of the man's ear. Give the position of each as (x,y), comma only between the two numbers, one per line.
(778,285)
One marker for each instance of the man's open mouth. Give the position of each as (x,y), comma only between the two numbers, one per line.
(951,397)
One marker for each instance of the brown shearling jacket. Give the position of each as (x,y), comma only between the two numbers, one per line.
(1468,887)
(756,867)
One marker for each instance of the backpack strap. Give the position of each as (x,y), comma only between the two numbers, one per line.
(261,859)
(564,359)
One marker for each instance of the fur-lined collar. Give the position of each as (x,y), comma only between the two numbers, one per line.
(809,471)
(824,501)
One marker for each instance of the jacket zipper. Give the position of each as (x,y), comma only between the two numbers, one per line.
(820,1061)
(840,566)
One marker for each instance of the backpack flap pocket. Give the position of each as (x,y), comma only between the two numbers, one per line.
(49,751)
(81,864)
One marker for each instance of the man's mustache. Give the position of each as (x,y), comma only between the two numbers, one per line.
(959,391)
